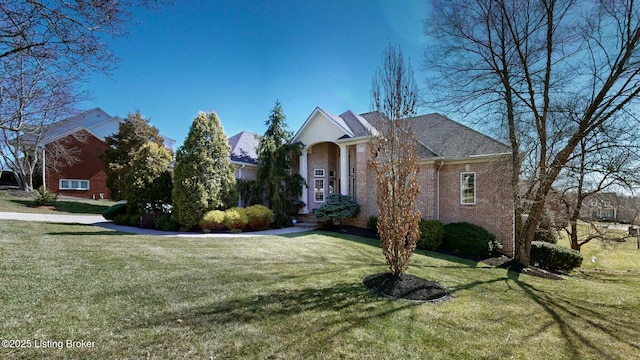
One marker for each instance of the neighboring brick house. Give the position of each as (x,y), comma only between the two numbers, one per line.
(464,175)
(84,135)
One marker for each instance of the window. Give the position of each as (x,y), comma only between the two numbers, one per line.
(332,186)
(352,187)
(332,173)
(318,190)
(468,188)
(318,172)
(73,184)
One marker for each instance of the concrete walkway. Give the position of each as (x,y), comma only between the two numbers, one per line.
(98,220)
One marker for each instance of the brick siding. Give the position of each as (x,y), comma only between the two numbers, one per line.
(89,167)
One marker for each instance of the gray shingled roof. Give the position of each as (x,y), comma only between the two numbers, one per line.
(243,147)
(440,136)
(355,123)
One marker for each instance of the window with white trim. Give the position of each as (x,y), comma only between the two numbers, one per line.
(318,172)
(318,190)
(468,188)
(73,184)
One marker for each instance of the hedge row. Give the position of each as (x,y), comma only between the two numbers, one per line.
(460,238)
(255,217)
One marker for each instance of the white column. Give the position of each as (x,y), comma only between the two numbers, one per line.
(344,170)
(303,173)
(44,167)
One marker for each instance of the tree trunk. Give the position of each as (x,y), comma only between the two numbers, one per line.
(573,236)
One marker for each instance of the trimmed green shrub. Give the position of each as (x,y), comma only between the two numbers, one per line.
(134,220)
(469,239)
(165,223)
(119,219)
(127,219)
(113,211)
(258,217)
(235,218)
(337,209)
(553,257)
(44,197)
(431,234)
(212,220)
(372,223)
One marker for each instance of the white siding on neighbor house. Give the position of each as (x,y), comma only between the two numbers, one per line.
(246,172)
(106,128)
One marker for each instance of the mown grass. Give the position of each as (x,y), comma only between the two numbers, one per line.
(608,255)
(11,203)
(291,297)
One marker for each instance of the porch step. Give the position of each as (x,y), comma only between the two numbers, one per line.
(307,221)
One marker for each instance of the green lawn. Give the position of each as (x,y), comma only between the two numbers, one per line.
(293,297)
(11,203)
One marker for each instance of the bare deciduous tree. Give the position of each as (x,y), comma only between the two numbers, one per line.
(31,100)
(549,73)
(395,161)
(604,161)
(46,48)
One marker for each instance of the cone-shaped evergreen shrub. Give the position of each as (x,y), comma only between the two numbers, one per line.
(203,174)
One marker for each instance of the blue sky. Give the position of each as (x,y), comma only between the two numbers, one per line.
(236,57)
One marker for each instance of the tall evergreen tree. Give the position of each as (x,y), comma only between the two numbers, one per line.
(275,153)
(134,132)
(148,185)
(203,174)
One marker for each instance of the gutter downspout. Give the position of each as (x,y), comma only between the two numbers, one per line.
(438,189)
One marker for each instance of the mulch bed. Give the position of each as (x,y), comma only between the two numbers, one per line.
(407,287)
(417,289)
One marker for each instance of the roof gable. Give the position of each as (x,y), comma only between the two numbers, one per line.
(96,120)
(244,147)
(322,126)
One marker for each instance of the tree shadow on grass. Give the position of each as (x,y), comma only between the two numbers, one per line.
(581,321)
(333,310)
(466,263)
(89,233)
(571,315)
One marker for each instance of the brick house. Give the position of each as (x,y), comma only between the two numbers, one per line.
(464,175)
(84,135)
